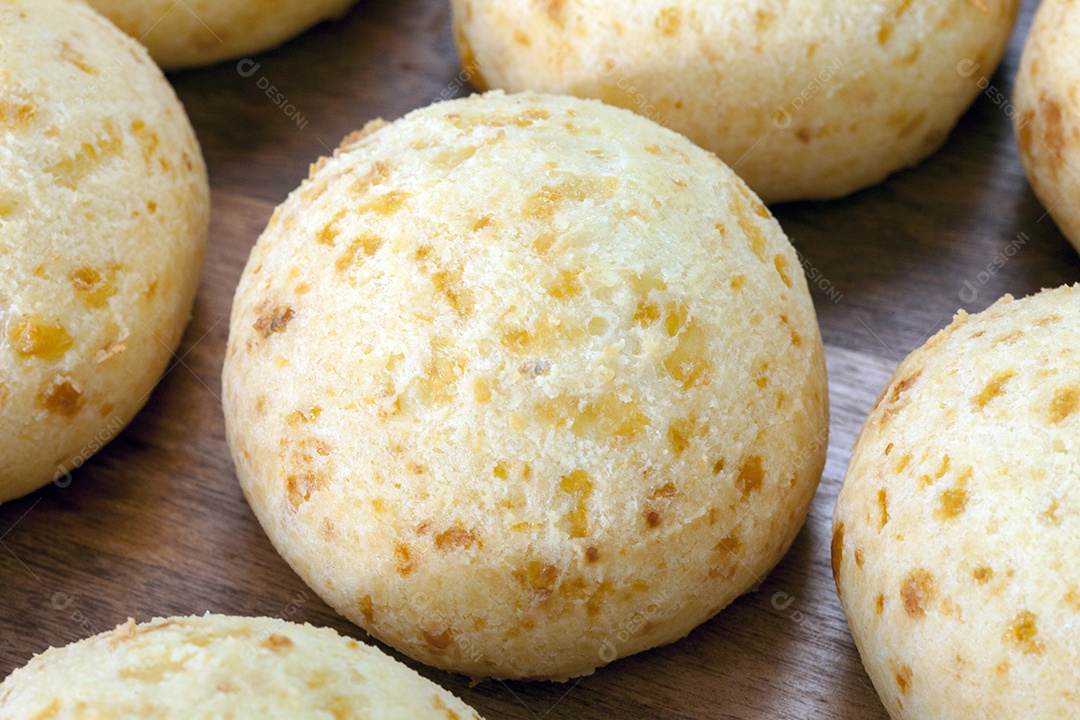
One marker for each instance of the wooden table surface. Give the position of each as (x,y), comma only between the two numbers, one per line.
(156,525)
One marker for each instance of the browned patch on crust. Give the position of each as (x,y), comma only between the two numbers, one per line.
(386,204)
(1023,134)
(450,714)
(982,574)
(404,562)
(595,603)
(94,289)
(555,9)
(667,490)
(274,321)
(953,503)
(76,58)
(1066,402)
(730,546)
(763,20)
(928,480)
(438,642)
(34,337)
(1054,132)
(730,543)
(781,264)
(277,643)
(539,577)
(879,604)
(376,175)
(367,610)
(16,110)
(368,244)
(903,386)
(1072,598)
(903,678)
(859,559)
(883,503)
(751,476)
(993,389)
(592,554)
(299,417)
(456,537)
(300,487)
(1023,634)
(837,552)
(916,592)
(580,485)
(895,394)
(669,21)
(61,398)
(652,519)
(679,434)
(473,70)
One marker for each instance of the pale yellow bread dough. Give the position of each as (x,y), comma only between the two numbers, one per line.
(104,211)
(187,33)
(957,532)
(1047,118)
(216,667)
(804,99)
(522,384)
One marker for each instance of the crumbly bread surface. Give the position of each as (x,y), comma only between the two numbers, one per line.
(1047,119)
(522,384)
(104,210)
(200,32)
(804,99)
(957,530)
(217,667)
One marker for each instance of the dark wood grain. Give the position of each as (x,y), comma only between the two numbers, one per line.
(156,525)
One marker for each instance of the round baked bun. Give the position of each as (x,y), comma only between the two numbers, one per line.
(1047,121)
(522,384)
(200,32)
(809,100)
(104,210)
(957,531)
(222,667)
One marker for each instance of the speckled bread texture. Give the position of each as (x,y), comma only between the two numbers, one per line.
(957,530)
(201,32)
(103,219)
(804,99)
(1048,112)
(522,384)
(222,668)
